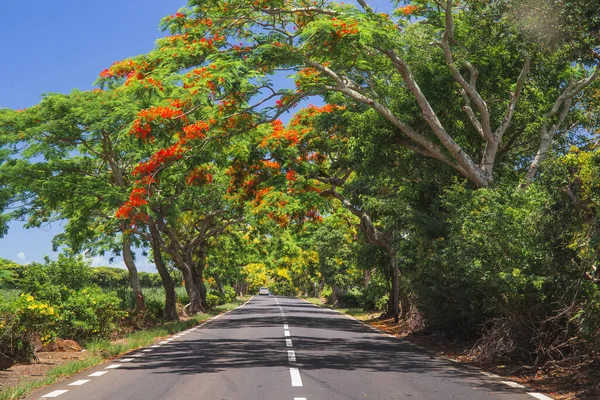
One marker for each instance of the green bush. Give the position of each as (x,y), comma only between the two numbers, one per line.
(353,297)
(229,294)
(377,294)
(22,319)
(212,300)
(89,313)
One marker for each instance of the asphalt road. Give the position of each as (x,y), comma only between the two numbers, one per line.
(281,348)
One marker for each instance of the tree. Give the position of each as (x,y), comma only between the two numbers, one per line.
(71,145)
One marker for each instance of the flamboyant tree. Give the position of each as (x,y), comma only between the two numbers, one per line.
(465,85)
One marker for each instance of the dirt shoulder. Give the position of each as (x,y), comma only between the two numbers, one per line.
(20,373)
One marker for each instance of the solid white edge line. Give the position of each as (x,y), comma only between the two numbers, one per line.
(288,342)
(513,384)
(540,396)
(489,374)
(99,373)
(79,382)
(56,393)
(295,375)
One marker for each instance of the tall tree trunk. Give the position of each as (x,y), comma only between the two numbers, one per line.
(170,312)
(198,273)
(133,275)
(395,284)
(196,305)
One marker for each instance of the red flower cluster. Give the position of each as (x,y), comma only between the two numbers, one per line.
(409,10)
(199,176)
(270,164)
(142,125)
(159,158)
(195,131)
(119,69)
(343,29)
(136,200)
(291,175)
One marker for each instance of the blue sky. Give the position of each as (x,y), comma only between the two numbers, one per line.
(57,46)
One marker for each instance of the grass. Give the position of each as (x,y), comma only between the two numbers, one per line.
(101,350)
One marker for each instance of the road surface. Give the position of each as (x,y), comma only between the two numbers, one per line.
(281,348)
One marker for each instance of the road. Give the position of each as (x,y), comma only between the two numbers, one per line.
(281,348)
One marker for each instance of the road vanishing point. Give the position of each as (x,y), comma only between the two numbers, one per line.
(282,348)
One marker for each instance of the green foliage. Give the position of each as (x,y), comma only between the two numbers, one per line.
(54,280)
(90,312)
(213,300)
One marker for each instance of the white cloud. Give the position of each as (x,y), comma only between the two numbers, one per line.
(21,256)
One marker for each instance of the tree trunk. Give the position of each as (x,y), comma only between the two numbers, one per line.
(170,312)
(198,275)
(196,305)
(133,275)
(395,285)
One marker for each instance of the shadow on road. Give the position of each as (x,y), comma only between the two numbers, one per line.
(321,341)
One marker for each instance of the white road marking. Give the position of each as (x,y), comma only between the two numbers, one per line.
(513,384)
(299,398)
(147,350)
(489,375)
(99,373)
(296,380)
(288,342)
(126,360)
(79,382)
(138,355)
(155,346)
(291,355)
(286,333)
(163,342)
(56,393)
(113,366)
(168,340)
(540,396)
(285,326)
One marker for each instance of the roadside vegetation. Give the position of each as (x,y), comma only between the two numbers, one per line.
(446,175)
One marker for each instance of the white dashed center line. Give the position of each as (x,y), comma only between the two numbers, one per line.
(288,342)
(99,373)
(286,333)
(79,382)
(299,398)
(295,375)
(285,326)
(113,366)
(126,360)
(56,393)
(147,350)
(291,355)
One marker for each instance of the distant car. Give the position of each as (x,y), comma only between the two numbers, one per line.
(263,291)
